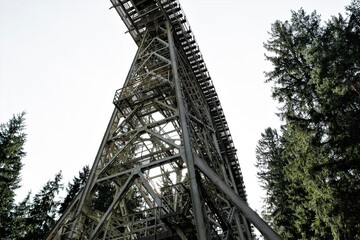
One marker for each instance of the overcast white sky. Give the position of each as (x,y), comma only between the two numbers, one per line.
(61,62)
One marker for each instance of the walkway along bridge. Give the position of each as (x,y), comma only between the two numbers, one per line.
(167,166)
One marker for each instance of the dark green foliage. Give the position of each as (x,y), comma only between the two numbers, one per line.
(40,215)
(270,162)
(27,219)
(12,139)
(74,188)
(311,169)
(19,226)
(104,196)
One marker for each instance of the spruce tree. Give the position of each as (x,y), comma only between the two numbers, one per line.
(74,188)
(311,170)
(12,139)
(41,214)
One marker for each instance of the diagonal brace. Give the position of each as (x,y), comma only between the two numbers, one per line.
(251,215)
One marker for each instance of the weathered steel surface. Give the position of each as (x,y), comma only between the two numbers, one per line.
(167,150)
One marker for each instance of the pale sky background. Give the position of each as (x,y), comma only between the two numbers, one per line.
(62,60)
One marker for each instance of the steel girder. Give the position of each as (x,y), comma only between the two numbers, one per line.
(167,167)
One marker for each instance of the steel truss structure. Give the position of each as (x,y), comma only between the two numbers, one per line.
(167,166)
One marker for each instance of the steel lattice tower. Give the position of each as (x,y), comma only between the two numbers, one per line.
(167,163)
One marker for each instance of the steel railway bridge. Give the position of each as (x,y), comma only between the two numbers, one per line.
(167,166)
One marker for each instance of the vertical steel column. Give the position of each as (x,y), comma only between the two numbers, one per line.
(194,189)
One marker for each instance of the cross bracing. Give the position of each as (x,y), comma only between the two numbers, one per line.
(167,166)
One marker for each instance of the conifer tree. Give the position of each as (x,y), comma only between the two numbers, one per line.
(12,139)
(41,214)
(74,188)
(311,171)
